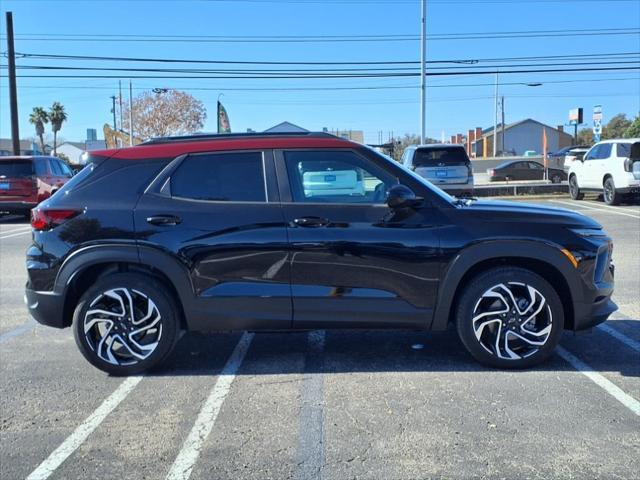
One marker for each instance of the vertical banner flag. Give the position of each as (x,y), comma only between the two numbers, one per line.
(223,120)
(597,122)
(545,146)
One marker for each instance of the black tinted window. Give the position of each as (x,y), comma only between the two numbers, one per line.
(66,171)
(232,177)
(432,157)
(41,166)
(16,168)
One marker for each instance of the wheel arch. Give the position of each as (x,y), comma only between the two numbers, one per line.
(544,259)
(86,265)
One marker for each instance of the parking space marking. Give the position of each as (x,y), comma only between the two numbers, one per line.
(604,205)
(311,454)
(597,209)
(630,342)
(613,390)
(77,438)
(190,451)
(16,332)
(19,229)
(15,234)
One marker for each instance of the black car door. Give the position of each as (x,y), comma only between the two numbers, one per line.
(354,262)
(219,215)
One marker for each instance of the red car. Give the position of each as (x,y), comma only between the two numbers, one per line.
(26,181)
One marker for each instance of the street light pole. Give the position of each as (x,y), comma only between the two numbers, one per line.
(423,74)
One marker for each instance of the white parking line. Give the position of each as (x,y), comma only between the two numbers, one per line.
(597,209)
(612,207)
(24,227)
(15,234)
(310,455)
(188,456)
(24,328)
(73,441)
(613,390)
(630,342)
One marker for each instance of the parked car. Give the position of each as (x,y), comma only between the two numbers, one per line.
(446,166)
(574,154)
(26,181)
(563,152)
(611,167)
(222,232)
(524,170)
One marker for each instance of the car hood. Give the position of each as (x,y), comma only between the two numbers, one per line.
(528,212)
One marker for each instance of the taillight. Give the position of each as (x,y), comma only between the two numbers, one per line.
(470,170)
(491,173)
(46,219)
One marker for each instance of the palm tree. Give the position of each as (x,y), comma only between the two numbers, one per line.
(39,117)
(57,116)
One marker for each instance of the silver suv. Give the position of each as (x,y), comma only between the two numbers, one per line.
(446,166)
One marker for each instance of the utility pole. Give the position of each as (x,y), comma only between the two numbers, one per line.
(502,127)
(120,100)
(113,110)
(495,121)
(13,89)
(423,74)
(130,114)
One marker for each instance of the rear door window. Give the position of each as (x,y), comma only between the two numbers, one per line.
(41,167)
(605,151)
(16,168)
(55,168)
(440,157)
(225,177)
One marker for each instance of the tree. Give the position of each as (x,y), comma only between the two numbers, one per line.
(57,116)
(585,137)
(403,142)
(166,113)
(616,127)
(39,117)
(634,129)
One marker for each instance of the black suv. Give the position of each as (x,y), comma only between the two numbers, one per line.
(237,232)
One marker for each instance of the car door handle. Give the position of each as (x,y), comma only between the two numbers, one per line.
(311,222)
(166,220)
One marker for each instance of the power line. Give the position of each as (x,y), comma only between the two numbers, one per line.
(379,75)
(136,38)
(46,56)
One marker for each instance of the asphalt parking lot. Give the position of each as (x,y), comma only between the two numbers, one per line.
(330,405)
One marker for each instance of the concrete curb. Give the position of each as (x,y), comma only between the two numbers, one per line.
(514,190)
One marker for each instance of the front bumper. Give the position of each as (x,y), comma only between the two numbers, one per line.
(46,308)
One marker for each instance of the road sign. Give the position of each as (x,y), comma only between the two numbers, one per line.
(575,116)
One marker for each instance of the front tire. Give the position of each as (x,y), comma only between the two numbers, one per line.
(126,323)
(510,318)
(574,189)
(611,197)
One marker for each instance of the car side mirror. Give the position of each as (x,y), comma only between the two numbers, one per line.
(401,196)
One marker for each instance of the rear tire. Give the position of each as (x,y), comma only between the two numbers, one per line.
(126,323)
(609,194)
(574,189)
(509,317)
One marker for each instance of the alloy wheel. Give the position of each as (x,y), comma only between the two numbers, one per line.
(512,320)
(122,326)
(573,186)
(608,191)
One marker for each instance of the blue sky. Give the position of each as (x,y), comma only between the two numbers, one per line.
(449,109)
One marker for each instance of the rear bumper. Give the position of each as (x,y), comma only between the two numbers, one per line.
(46,307)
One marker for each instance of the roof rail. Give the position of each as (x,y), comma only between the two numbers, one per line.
(224,136)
